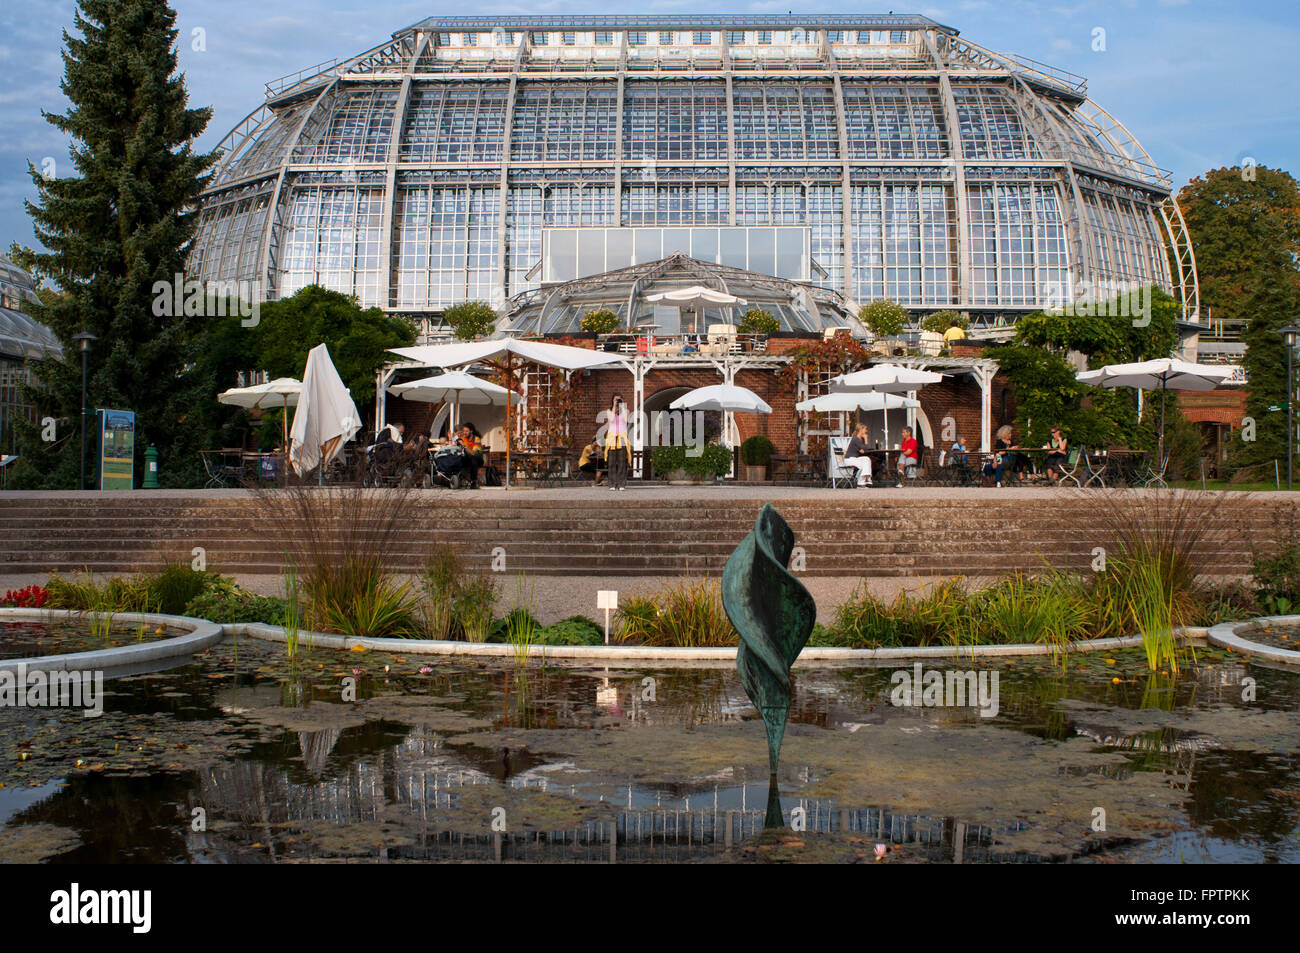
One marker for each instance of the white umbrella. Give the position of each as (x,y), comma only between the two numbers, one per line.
(694,298)
(885,378)
(847,400)
(552,355)
(326,417)
(723,397)
(282,392)
(457,387)
(1166,373)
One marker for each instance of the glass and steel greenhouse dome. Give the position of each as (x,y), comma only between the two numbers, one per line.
(491,157)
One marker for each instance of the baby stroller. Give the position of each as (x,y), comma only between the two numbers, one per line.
(448,464)
(383,464)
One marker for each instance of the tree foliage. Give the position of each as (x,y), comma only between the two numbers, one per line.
(1245,228)
(759,321)
(600,321)
(884,318)
(471,319)
(358,339)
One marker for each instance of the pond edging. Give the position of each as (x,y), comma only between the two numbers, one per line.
(198,634)
(1225,636)
(657,653)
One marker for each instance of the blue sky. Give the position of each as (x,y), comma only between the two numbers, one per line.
(1200,84)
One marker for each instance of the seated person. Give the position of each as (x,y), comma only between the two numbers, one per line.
(1057,453)
(592,462)
(391,433)
(856,455)
(468,439)
(1003,459)
(957,455)
(909,453)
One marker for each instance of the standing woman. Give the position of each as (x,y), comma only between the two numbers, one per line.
(618,452)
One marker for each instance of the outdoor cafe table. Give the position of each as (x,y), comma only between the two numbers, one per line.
(884,460)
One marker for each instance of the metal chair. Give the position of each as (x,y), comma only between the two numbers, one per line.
(1072,466)
(839,473)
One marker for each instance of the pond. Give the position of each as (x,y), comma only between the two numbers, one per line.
(38,639)
(245,756)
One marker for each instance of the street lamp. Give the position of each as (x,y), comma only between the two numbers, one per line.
(1289,334)
(84,339)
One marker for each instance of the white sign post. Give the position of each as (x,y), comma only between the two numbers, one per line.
(607,599)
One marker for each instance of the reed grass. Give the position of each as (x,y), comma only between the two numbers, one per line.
(685,614)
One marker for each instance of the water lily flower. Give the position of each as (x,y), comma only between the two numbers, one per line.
(880,851)
(425,669)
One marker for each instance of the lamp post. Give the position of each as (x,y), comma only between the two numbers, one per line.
(1289,334)
(84,339)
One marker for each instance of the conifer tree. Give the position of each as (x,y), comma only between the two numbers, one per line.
(120,222)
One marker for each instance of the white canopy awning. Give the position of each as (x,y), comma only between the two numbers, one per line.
(887,378)
(864,401)
(695,296)
(1166,373)
(467,352)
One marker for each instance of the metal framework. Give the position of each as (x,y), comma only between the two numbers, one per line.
(926,169)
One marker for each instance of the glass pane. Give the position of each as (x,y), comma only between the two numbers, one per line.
(677,239)
(704,244)
(561,255)
(762,250)
(647,244)
(790,254)
(618,248)
(733,247)
(591,252)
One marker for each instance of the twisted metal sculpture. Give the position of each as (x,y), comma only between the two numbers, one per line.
(774,615)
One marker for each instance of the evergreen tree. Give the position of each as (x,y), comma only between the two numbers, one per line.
(122,222)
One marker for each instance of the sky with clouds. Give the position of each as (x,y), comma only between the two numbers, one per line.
(1201,84)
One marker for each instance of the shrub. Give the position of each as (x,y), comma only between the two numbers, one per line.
(687,614)
(758,321)
(471,319)
(941,321)
(172,589)
(223,601)
(756,451)
(714,460)
(381,609)
(600,321)
(473,607)
(884,318)
(575,630)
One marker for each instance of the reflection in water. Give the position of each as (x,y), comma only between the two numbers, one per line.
(338,783)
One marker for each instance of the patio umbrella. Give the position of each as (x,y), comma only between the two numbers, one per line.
(540,352)
(282,392)
(456,387)
(326,417)
(694,298)
(865,400)
(723,397)
(884,378)
(1166,373)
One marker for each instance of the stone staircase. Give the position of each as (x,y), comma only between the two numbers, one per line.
(843,533)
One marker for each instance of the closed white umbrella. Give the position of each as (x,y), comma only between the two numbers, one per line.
(887,379)
(282,392)
(456,387)
(326,417)
(723,397)
(1166,373)
(552,355)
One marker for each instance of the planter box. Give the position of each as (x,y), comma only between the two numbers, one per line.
(680,477)
(750,474)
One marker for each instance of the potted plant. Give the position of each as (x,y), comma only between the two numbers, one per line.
(755,453)
(674,464)
(600,321)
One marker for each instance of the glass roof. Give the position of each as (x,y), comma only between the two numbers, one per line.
(20,336)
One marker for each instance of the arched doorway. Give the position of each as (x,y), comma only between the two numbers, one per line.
(660,400)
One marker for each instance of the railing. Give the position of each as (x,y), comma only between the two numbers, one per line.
(687,346)
(277,86)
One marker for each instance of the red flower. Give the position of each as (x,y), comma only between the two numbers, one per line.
(30,597)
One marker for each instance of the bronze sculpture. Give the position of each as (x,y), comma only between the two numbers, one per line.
(774,615)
